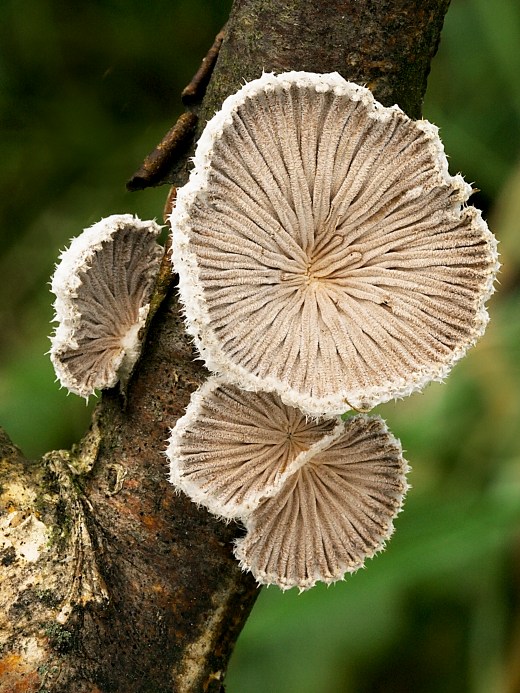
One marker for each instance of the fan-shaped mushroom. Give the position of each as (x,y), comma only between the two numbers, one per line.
(103,284)
(332,513)
(232,447)
(324,251)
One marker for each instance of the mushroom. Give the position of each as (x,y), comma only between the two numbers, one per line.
(232,448)
(324,251)
(103,284)
(332,513)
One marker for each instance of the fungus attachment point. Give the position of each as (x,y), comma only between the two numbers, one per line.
(335,511)
(103,284)
(324,251)
(232,447)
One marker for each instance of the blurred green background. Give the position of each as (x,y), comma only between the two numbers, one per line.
(86,90)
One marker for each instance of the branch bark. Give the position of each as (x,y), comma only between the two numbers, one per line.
(110,581)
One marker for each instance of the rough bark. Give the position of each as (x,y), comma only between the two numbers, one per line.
(110,581)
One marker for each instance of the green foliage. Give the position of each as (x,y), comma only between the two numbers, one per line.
(87,90)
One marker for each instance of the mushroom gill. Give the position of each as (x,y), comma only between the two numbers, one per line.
(232,448)
(335,511)
(103,285)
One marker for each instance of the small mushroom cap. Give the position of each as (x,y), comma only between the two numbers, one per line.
(331,514)
(324,251)
(103,284)
(233,448)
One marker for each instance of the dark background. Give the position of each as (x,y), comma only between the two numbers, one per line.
(86,90)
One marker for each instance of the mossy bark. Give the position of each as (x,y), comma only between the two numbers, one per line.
(110,581)
(386,45)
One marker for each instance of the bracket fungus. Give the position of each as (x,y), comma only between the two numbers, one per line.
(103,285)
(317,497)
(335,511)
(232,448)
(324,251)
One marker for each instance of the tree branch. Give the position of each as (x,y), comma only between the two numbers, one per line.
(110,581)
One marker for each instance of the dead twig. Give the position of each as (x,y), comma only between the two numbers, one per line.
(180,136)
(176,140)
(196,89)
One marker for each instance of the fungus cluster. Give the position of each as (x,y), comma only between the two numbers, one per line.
(317,497)
(327,261)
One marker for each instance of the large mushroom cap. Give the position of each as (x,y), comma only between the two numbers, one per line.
(103,284)
(233,448)
(331,514)
(323,249)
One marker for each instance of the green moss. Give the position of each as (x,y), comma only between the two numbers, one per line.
(60,638)
(48,597)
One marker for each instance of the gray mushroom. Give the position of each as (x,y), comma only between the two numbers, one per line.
(324,251)
(233,448)
(332,513)
(103,284)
